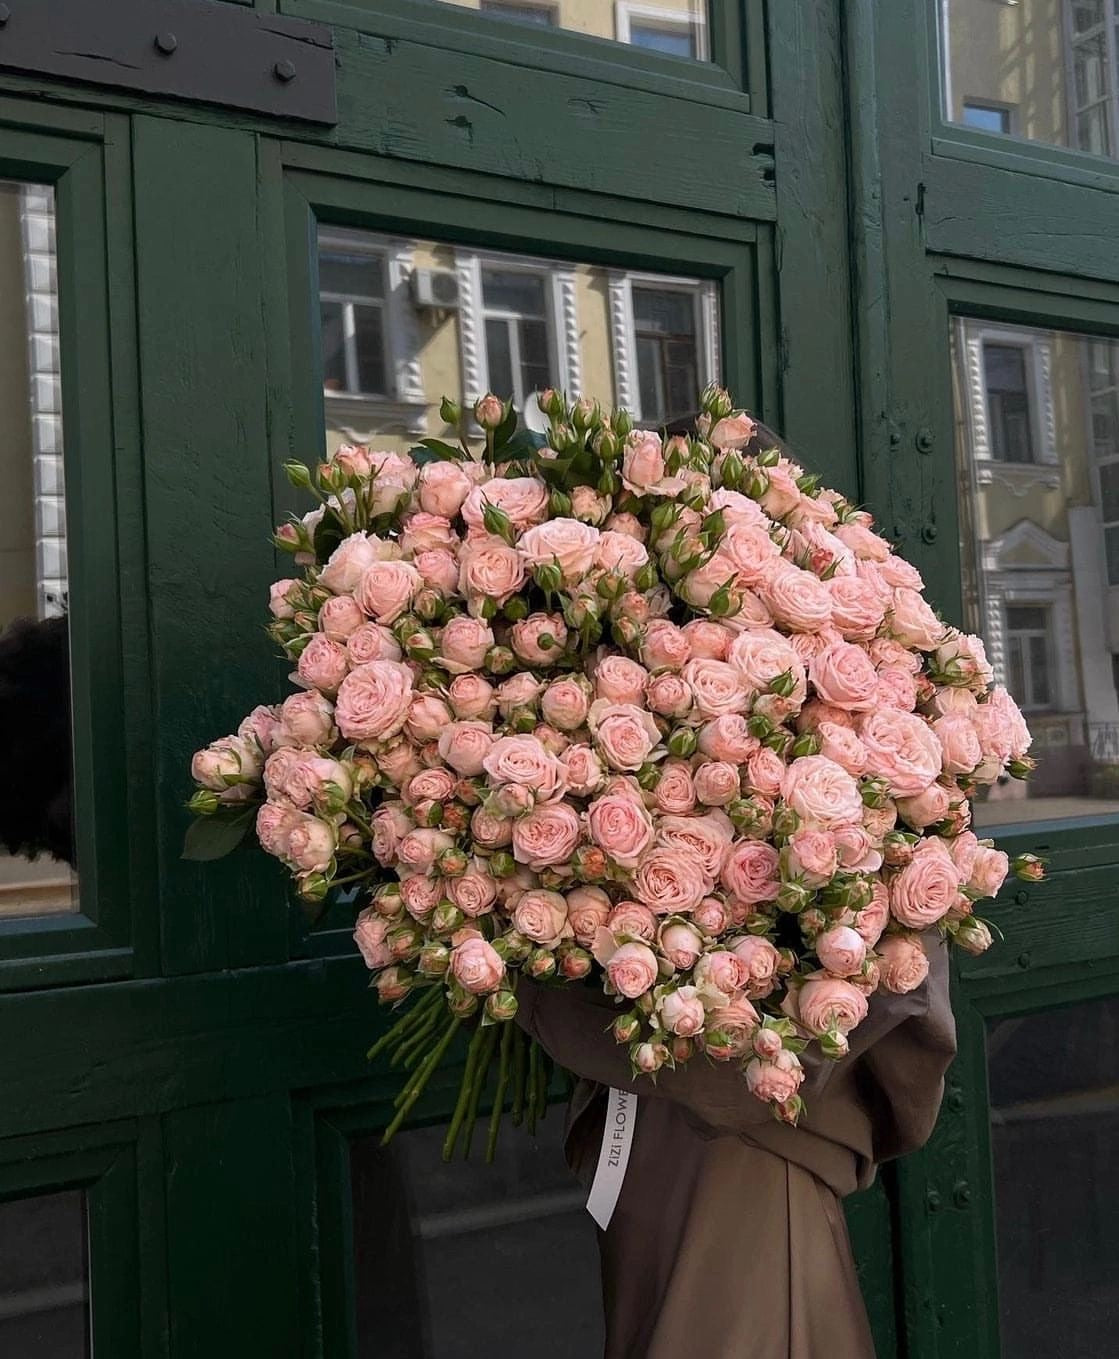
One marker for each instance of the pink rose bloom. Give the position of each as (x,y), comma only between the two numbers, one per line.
(430,785)
(670,881)
(340,617)
(963,848)
(373,701)
(857,608)
(477,966)
(797,599)
(736,1022)
(565,704)
(631,918)
(387,588)
(464,644)
(681,943)
(419,849)
(782,494)
(262,727)
(902,749)
(628,524)
(621,827)
(621,553)
(733,431)
(424,532)
(428,718)
(624,734)
(230,757)
(720,970)
(863,542)
(842,746)
(311,844)
(619,680)
(927,808)
(524,761)
(632,970)
(306,719)
(489,569)
(675,791)
(369,935)
(371,642)
(523,499)
(389,824)
(765,772)
(465,745)
(717,783)
(959,744)
(322,664)
(539,639)
(566,543)
(471,697)
(541,916)
(926,889)
(353,459)
(588,505)
(665,646)
(822,793)
(750,872)
(1010,715)
(708,639)
(897,571)
(475,892)
(841,950)
(988,871)
(761,655)
(439,570)
(643,468)
(681,1012)
(903,963)
(843,674)
(518,691)
(585,771)
(278,604)
(813,856)
(442,487)
(717,688)
(858,853)
(711,916)
(727,738)
(668,695)
(737,508)
(751,553)
(349,561)
(777,1081)
(490,831)
(952,702)
(421,895)
(874,917)
(279,767)
(758,959)
(308,778)
(588,909)
(913,623)
(274,825)
(546,836)
(399,761)
(825,1002)
(897,688)
(702,583)
(707,837)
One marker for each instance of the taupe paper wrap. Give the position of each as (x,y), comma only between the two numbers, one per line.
(728,1239)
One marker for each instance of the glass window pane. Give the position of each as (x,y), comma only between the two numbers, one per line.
(36,831)
(1040,564)
(1054,1127)
(44,1277)
(351,275)
(675,26)
(1032,68)
(457,1249)
(454,321)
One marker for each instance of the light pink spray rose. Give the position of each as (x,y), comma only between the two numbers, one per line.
(670,881)
(524,500)
(719,970)
(680,942)
(822,793)
(708,639)
(927,808)
(624,734)
(643,468)
(717,783)
(959,744)
(621,827)
(539,639)
(989,869)
(758,959)
(472,698)
(546,836)
(566,543)
(681,1012)
(727,738)
(306,719)
(664,646)
(902,749)
(826,1002)
(373,701)
(322,664)
(708,837)
(632,970)
(369,936)
(585,771)
(387,588)
(913,623)
(750,872)
(875,916)
(340,617)
(311,844)
(439,569)
(465,745)
(620,552)
(926,889)
(736,1022)
(490,831)
(477,966)
(565,704)
(796,598)
(675,791)
(424,532)
(389,824)
(841,950)
(274,825)
(428,718)
(843,674)
(619,679)
(765,772)
(717,688)
(631,918)
(231,757)
(541,916)
(371,642)
(668,695)
(442,487)
(588,909)
(762,655)
(278,604)
(349,561)
(463,644)
(489,569)
(903,963)
(430,785)
(419,849)
(524,761)
(733,431)
(813,856)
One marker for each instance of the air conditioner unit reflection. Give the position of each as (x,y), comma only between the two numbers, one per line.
(435,288)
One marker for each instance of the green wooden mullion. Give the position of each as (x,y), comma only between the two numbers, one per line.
(47,124)
(334,1258)
(114,1261)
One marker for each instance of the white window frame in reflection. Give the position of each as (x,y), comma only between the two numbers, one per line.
(522,11)
(631,13)
(561,319)
(1108,100)
(356,413)
(1045,469)
(1109,457)
(705,299)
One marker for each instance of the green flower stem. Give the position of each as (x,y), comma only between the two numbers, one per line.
(418,1037)
(533,1085)
(503,1073)
(464,1090)
(519,1054)
(420,1079)
(481,1077)
(406,1023)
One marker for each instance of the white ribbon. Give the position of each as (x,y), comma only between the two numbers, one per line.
(613,1157)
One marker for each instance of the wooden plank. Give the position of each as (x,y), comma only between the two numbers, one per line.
(208,487)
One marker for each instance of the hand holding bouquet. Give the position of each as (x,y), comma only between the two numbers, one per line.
(658,715)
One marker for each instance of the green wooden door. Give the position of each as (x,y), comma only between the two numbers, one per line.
(629,197)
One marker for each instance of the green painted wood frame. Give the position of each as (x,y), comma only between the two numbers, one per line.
(85,158)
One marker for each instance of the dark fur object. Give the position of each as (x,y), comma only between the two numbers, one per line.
(36,796)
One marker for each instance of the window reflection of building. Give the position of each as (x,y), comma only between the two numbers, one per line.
(1035,415)
(672,27)
(523,11)
(405,322)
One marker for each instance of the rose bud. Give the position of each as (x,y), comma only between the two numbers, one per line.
(501,1006)
(434,960)
(786,822)
(204,803)
(647,1058)
(590,863)
(682,1049)
(388,901)
(812,922)
(502,864)
(393,984)
(1029,868)
(897,848)
(461,1003)
(626,1027)
(500,660)
(446,918)
(453,863)
(540,964)
(312,887)
(682,743)
(575,963)
(513,946)
(793,897)
(973,936)
(489,411)
(1022,767)
(404,942)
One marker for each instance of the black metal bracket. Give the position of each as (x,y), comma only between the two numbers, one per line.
(203,50)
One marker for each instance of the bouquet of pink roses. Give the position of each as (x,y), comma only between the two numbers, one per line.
(654,714)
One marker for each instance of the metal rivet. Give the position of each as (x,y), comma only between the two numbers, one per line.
(924,441)
(284,70)
(166,43)
(895,439)
(956,1101)
(961,1194)
(932,1201)
(929,533)
(5,15)
(1023,960)
(1021,897)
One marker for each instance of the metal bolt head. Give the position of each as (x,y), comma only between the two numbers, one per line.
(1024,960)
(284,70)
(1021,897)
(929,533)
(166,43)
(5,14)
(932,1201)
(924,441)
(961,1194)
